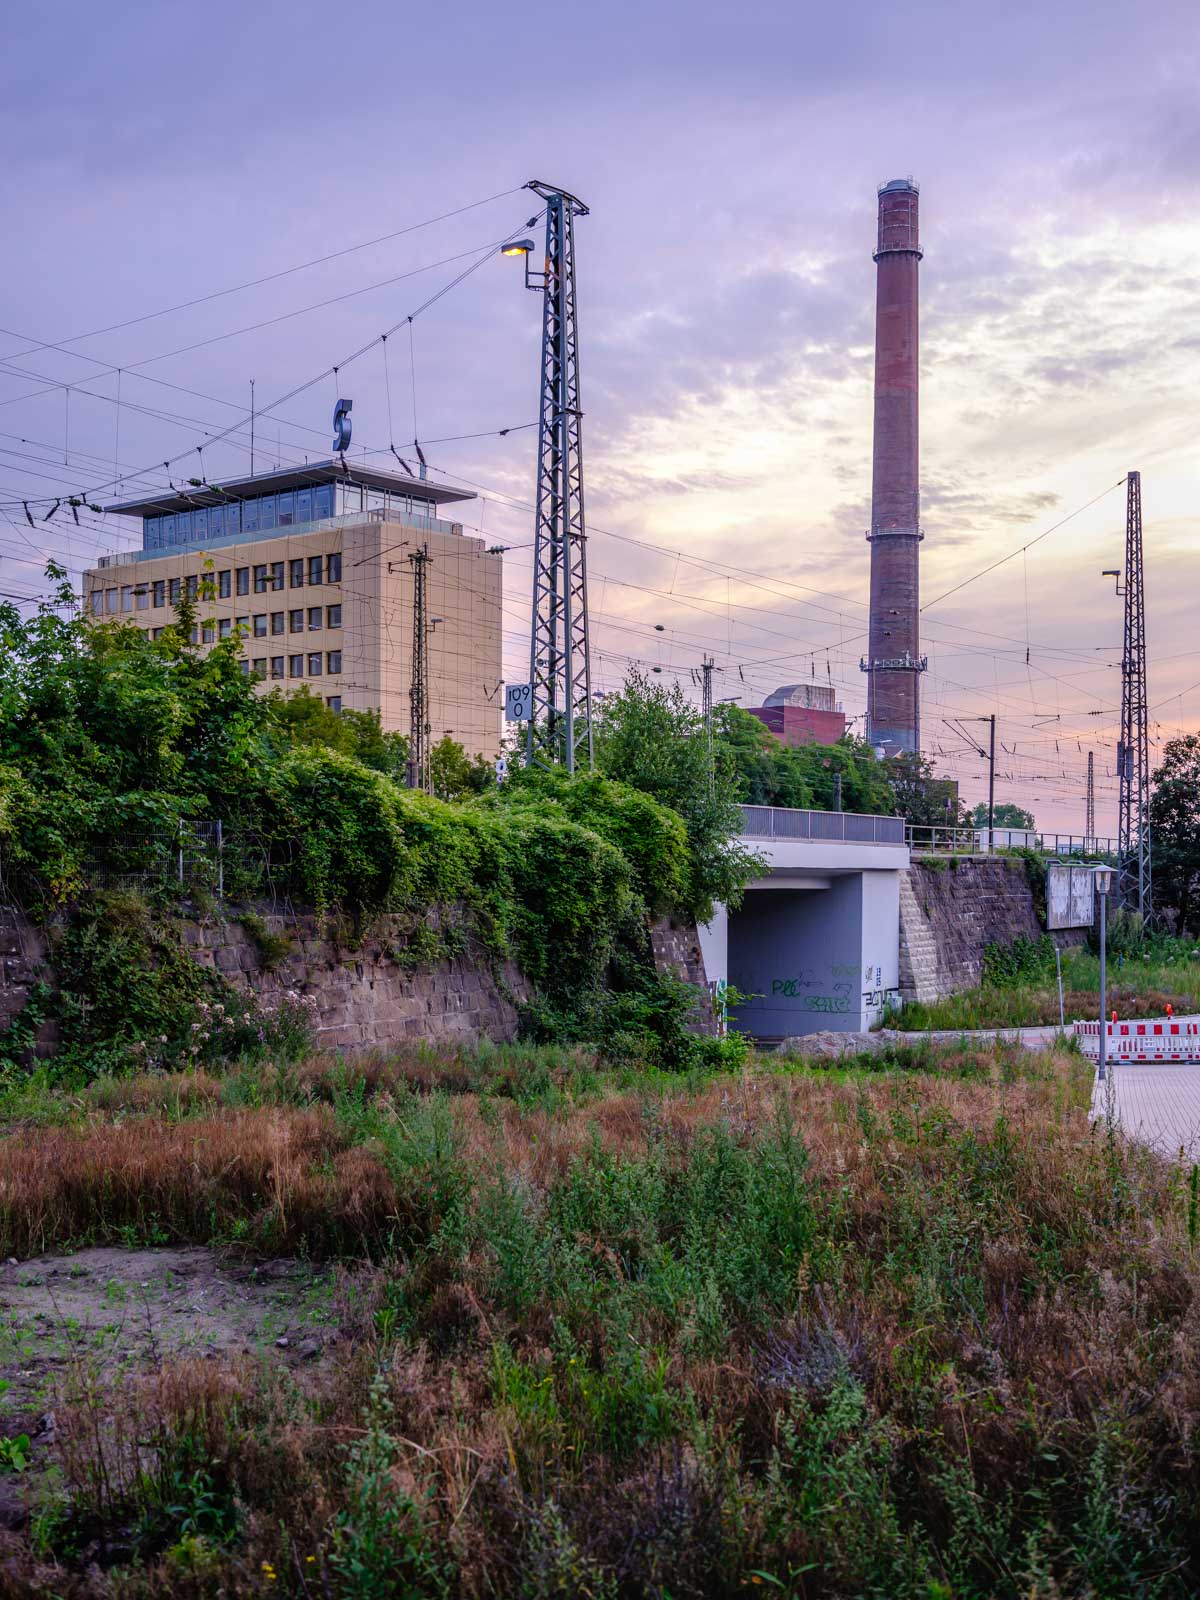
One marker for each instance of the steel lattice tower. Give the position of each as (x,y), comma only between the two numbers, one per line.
(1133,751)
(419,727)
(560,722)
(1089,826)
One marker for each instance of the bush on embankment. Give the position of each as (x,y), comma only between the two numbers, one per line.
(113,744)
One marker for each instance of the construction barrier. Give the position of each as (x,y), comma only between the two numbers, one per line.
(1154,1039)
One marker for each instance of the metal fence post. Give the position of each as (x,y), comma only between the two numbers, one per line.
(220,861)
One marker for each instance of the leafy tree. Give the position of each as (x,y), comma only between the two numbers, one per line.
(303,718)
(1005,815)
(1175,829)
(455,775)
(650,737)
(921,798)
(772,773)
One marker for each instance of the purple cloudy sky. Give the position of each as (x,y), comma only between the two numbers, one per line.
(730,155)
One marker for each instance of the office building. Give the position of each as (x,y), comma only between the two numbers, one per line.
(310,566)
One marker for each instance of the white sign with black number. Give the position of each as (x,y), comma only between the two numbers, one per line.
(518,702)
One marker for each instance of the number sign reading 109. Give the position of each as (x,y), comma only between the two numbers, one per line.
(518,702)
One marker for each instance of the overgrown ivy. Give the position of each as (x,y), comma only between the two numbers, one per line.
(111,742)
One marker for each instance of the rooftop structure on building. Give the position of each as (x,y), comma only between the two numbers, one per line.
(802,713)
(814,696)
(202,513)
(309,566)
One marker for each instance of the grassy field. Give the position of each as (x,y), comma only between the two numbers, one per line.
(1137,987)
(911,1328)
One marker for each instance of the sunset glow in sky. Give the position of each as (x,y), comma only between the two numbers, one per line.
(160,153)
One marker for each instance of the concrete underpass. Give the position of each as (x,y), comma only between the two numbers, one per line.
(815,944)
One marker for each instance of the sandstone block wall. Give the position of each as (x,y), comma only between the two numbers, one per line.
(369,995)
(950,910)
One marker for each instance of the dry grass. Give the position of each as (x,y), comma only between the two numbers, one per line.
(863,1333)
(282,1178)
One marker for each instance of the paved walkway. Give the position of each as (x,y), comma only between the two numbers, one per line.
(1031,1038)
(1160,1106)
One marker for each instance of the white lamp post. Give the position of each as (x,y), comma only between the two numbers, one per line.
(1103,877)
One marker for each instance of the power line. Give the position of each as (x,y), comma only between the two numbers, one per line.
(252,283)
(1014,553)
(333,370)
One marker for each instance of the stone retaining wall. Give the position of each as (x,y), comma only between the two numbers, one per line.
(951,908)
(371,994)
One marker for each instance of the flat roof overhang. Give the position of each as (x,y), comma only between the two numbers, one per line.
(305,477)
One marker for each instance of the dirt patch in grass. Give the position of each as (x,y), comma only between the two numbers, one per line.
(101,1318)
(121,1308)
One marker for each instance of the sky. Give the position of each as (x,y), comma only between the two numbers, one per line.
(164,154)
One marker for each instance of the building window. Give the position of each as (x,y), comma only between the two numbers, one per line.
(323,501)
(296,569)
(225,627)
(110,602)
(277,666)
(333,617)
(285,510)
(244,667)
(156,633)
(277,575)
(260,625)
(260,580)
(334,702)
(314,619)
(314,569)
(334,661)
(160,592)
(295,666)
(175,589)
(242,624)
(127,597)
(303,505)
(314,664)
(335,568)
(278,622)
(296,621)
(223,584)
(141,597)
(243,580)
(208,633)
(260,667)
(250,516)
(266,511)
(195,635)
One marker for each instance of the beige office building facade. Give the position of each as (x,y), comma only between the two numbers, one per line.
(311,566)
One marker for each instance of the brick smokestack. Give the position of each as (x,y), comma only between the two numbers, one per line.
(894,662)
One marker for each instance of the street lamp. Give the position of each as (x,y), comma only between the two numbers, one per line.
(1102,877)
(521,247)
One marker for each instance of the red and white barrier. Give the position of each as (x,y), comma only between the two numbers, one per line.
(1151,1040)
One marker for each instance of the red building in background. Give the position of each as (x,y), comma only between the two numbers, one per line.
(802,713)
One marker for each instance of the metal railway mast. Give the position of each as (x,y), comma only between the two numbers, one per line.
(560,718)
(419,726)
(1089,826)
(1133,750)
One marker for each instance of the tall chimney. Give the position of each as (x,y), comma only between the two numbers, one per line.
(894,663)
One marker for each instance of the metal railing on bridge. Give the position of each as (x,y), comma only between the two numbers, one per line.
(975,842)
(847,827)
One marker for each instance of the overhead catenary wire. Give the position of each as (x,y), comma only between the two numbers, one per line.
(255,283)
(483,256)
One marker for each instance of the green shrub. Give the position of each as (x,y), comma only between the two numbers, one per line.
(1008,966)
